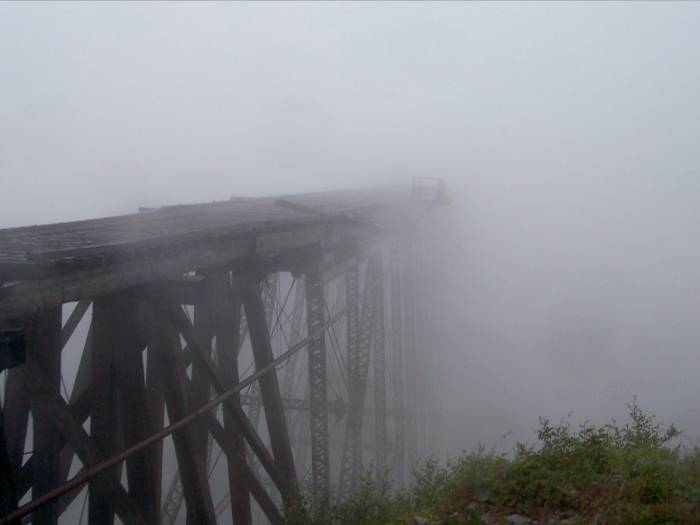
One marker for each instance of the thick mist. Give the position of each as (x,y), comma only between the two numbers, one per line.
(567,133)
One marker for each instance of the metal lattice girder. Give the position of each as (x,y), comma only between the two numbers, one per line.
(173,501)
(269,294)
(358,352)
(318,383)
(397,365)
(295,335)
(338,407)
(411,366)
(379,369)
(352,292)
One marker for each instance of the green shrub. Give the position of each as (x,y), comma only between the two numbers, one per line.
(627,474)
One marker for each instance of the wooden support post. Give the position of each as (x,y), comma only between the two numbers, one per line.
(45,354)
(269,386)
(318,386)
(227,320)
(165,345)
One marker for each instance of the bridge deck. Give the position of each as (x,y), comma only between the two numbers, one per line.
(24,248)
(44,266)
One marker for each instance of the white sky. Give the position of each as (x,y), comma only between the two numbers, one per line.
(568,133)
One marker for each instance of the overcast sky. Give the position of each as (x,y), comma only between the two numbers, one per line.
(568,134)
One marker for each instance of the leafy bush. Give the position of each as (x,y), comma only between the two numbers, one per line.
(629,474)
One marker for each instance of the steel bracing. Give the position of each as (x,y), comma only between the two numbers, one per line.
(246,349)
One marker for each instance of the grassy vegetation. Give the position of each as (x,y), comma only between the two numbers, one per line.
(629,474)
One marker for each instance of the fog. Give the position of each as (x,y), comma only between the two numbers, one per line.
(567,134)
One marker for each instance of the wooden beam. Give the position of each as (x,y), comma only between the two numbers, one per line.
(359,346)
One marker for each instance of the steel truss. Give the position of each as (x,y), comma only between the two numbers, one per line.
(164,349)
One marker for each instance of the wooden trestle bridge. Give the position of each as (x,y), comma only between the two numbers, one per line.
(179,327)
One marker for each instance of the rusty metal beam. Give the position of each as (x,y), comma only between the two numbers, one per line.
(379,373)
(359,345)
(397,387)
(16,417)
(199,354)
(227,330)
(73,320)
(318,386)
(94,470)
(133,406)
(166,346)
(59,415)
(45,354)
(269,386)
